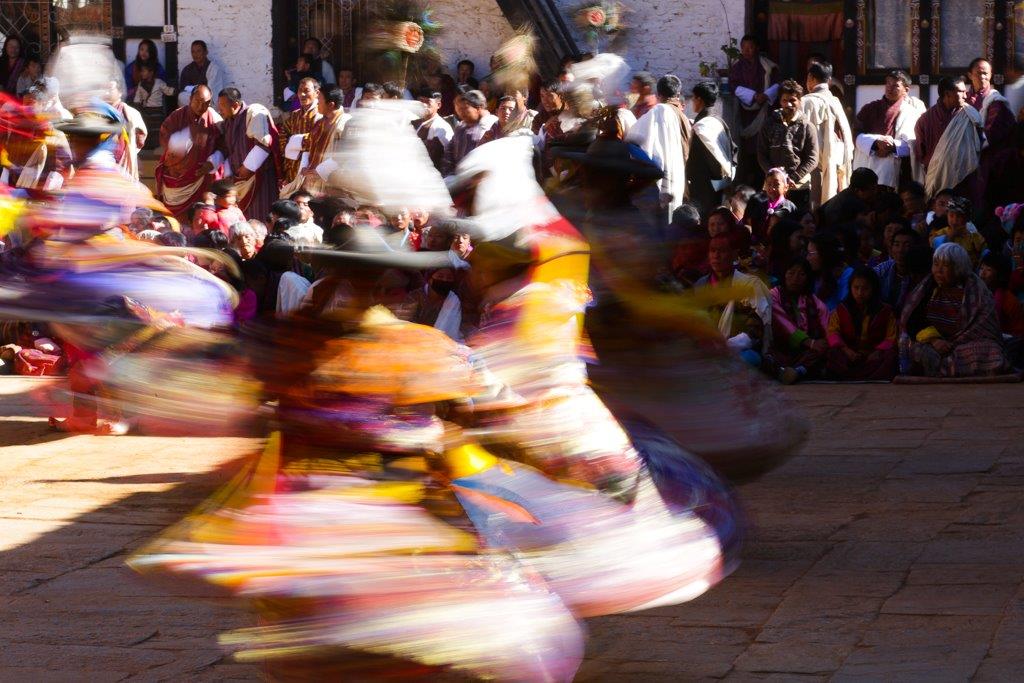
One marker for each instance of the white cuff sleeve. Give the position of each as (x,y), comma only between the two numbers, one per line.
(54,181)
(288,93)
(746,95)
(217,158)
(772,93)
(326,168)
(228,171)
(304,161)
(293,150)
(865,141)
(255,158)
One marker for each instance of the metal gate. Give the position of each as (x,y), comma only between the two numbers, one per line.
(41,24)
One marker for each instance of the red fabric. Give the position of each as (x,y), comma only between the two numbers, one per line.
(850,335)
(177,172)
(228,216)
(37,363)
(879,117)
(1010,312)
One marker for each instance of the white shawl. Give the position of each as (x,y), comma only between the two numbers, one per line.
(888,168)
(957,153)
(659,135)
(825,112)
(715,136)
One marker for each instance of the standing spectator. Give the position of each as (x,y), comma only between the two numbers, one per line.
(997,162)
(862,332)
(711,164)
(789,142)
(474,122)
(314,48)
(249,139)
(825,113)
(347,84)
(664,134)
(433,130)
(799,325)
(887,131)
(296,125)
(464,74)
(12,63)
(316,162)
(894,274)
(127,152)
(200,71)
(754,78)
(643,86)
(949,137)
(190,138)
(145,55)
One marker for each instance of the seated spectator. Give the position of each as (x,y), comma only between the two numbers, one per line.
(799,325)
(225,201)
(745,323)
(866,254)
(689,260)
(995,273)
(935,219)
(31,75)
(242,238)
(786,244)
(915,204)
(771,202)
(959,230)
(259,229)
(738,200)
(951,321)
(305,231)
(203,217)
(832,273)
(851,202)
(862,332)
(893,274)
(151,90)
(437,304)
(808,225)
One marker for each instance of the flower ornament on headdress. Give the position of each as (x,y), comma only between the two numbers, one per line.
(599,19)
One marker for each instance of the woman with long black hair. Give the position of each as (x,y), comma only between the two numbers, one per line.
(145,56)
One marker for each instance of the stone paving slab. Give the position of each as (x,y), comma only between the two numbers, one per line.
(890,548)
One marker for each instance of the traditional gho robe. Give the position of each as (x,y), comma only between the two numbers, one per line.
(193,75)
(436,135)
(316,148)
(710,166)
(892,122)
(127,154)
(351,97)
(294,126)
(825,113)
(249,139)
(998,154)
(749,79)
(39,161)
(948,146)
(189,142)
(664,134)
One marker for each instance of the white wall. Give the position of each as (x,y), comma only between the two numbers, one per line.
(472,29)
(672,36)
(238,33)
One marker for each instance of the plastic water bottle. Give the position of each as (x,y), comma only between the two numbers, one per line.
(904,349)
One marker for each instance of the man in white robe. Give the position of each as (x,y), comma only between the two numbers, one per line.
(664,134)
(887,132)
(824,111)
(710,165)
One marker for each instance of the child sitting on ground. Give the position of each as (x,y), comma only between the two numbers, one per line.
(862,332)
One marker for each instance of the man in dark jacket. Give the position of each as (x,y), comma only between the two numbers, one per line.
(710,165)
(789,142)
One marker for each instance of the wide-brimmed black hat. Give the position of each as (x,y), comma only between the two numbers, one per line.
(614,156)
(92,123)
(367,247)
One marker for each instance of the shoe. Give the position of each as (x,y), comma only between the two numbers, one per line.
(788,375)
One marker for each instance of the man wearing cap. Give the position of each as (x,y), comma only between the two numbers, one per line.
(190,138)
(433,130)
(249,144)
(887,131)
(474,122)
(959,230)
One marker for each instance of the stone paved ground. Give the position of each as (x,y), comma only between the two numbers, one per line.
(890,548)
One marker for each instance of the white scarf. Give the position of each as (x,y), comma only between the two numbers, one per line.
(659,135)
(888,168)
(957,153)
(715,136)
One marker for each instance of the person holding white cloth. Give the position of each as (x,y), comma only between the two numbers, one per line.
(887,136)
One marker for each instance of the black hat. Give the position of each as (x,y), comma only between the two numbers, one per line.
(614,156)
(92,123)
(366,246)
(960,205)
